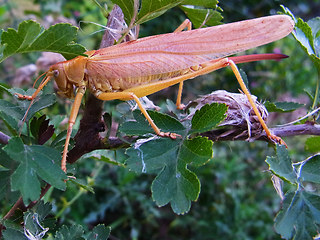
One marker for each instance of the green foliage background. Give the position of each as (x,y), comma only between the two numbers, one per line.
(237,199)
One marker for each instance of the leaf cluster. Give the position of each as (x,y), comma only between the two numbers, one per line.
(31,37)
(299,216)
(35,218)
(307,35)
(169,159)
(200,12)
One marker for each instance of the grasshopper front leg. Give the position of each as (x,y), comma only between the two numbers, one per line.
(73,116)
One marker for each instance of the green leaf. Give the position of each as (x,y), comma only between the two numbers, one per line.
(40,103)
(107,118)
(174,183)
(42,209)
(7,166)
(196,151)
(80,183)
(138,127)
(41,129)
(99,232)
(281,164)
(282,106)
(310,169)
(199,17)
(59,141)
(312,144)
(141,126)
(106,156)
(151,9)
(208,117)
(31,37)
(19,41)
(5,183)
(10,234)
(1,46)
(166,123)
(11,114)
(307,35)
(75,232)
(201,3)
(314,24)
(142,156)
(299,216)
(35,161)
(5,160)
(303,35)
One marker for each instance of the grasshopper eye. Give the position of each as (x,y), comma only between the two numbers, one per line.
(56,73)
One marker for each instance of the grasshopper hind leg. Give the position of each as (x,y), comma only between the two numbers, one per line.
(271,136)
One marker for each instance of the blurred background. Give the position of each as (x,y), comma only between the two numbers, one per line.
(237,199)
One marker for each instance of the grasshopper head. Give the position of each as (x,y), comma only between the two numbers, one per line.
(64,85)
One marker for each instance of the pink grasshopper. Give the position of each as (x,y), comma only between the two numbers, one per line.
(137,68)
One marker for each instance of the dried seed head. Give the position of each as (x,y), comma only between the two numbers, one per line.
(240,121)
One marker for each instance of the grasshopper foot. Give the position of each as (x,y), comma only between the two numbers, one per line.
(169,135)
(278,140)
(23,97)
(181,106)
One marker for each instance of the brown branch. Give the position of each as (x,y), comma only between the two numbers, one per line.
(295,130)
(241,122)
(88,136)
(234,134)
